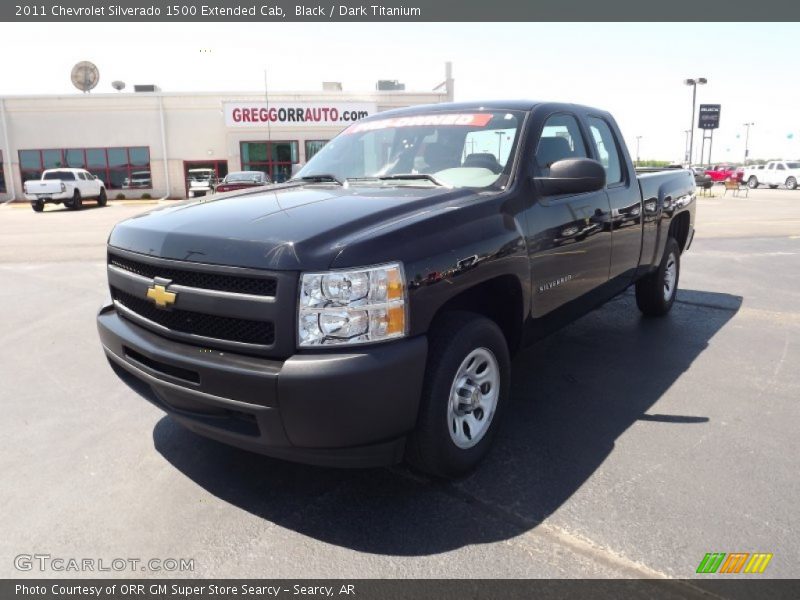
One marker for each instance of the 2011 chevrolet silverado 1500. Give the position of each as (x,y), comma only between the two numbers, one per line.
(366,310)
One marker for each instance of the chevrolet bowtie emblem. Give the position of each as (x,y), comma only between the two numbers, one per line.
(158,293)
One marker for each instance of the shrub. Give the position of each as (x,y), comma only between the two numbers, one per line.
(119,196)
(146,196)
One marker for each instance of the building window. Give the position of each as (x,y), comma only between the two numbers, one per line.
(273,158)
(119,168)
(2,174)
(313,146)
(201,176)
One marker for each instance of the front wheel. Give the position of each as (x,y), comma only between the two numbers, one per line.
(102,199)
(655,293)
(752,183)
(791,183)
(466,384)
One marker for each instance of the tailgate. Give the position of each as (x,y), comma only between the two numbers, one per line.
(51,186)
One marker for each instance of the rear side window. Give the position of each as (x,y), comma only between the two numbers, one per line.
(62,175)
(781,167)
(561,138)
(607,149)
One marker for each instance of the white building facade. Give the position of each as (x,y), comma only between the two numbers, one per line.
(143,144)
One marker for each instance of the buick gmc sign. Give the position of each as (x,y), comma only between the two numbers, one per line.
(296,114)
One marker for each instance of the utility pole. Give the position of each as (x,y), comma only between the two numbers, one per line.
(746,140)
(638,138)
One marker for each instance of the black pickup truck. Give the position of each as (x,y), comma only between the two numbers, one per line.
(366,310)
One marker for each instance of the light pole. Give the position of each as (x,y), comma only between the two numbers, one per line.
(694,83)
(499,142)
(638,137)
(746,140)
(687,156)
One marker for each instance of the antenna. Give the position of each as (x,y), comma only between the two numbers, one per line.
(269,129)
(269,121)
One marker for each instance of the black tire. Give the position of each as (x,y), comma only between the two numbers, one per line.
(454,336)
(752,183)
(791,183)
(37,205)
(102,199)
(652,296)
(773,187)
(77,202)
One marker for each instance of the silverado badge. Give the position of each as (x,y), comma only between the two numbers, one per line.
(158,293)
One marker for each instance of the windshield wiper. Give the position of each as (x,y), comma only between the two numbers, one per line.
(414,176)
(321,177)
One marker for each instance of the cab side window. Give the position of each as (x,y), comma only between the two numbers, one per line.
(781,167)
(607,149)
(561,138)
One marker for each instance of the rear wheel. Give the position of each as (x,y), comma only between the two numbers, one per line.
(37,205)
(77,202)
(752,183)
(466,384)
(102,199)
(656,292)
(791,183)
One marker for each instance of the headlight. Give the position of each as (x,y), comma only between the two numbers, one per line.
(355,306)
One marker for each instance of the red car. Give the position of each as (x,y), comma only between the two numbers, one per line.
(242,179)
(723,172)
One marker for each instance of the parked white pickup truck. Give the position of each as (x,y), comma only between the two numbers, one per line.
(773,174)
(65,186)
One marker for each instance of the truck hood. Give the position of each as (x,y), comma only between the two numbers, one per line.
(290,228)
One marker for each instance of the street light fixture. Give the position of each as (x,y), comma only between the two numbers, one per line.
(746,140)
(638,137)
(694,83)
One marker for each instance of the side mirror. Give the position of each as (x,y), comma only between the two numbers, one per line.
(95,176)
(572,176)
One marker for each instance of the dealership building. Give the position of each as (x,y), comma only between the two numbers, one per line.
(146,142)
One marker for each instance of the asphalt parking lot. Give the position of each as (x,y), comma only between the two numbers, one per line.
(631,448)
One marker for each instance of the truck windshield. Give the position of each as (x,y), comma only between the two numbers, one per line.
(456,149)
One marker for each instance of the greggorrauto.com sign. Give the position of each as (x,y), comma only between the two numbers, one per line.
(299,114)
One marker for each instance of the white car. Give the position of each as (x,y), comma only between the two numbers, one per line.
(65,186)
(773,174)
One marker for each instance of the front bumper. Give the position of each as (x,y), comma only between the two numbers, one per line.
(351,408)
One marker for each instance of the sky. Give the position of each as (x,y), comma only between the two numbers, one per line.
(633,70)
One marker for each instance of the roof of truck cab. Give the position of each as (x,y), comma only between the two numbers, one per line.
(524,105)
